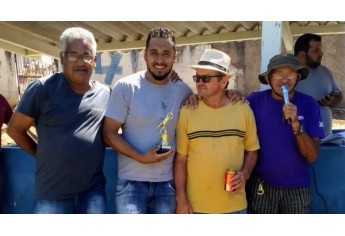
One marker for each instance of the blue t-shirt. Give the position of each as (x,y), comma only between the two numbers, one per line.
(320,83)
(70,147)
(141,106)
(280,162)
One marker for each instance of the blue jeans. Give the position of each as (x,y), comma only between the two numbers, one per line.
(244,211)
(135,197)
(91,201)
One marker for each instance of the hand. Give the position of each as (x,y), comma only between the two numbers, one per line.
(192,101)
(151,156)
(238,181)
(290,112)
(183,207)
(327,100)
(235,96)
(173,76)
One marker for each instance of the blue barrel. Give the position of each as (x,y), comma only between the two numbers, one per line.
(19,180)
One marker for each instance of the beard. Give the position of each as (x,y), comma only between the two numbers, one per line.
(159,77)
(313,64)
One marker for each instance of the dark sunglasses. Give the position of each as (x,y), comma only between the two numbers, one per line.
(205,78)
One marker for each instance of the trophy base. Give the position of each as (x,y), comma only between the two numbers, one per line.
(164,149)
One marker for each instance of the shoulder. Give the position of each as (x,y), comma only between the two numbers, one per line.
(129,82)
(2,97)
(321,69)
(255,96)
(131,79)
(181,86)
(3,100)
(304,96)
(50,79)
(306,99)
(101,87)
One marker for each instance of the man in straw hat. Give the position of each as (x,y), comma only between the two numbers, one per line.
(214,137)
(289,129)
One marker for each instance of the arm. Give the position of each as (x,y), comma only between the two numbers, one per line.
(233,95)
(17,130)
(174,77)
(180,177)
(239,180)
(118,143)
(307,146)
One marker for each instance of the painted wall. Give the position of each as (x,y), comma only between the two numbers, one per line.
(245,56)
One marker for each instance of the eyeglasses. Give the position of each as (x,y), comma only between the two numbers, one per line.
(71,56)
(205,78)
(290,75)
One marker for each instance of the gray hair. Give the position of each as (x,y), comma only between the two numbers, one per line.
(77,33)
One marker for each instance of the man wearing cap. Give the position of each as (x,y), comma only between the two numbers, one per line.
(212,138)
(289,130)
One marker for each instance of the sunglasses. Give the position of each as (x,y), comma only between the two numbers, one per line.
(205,78)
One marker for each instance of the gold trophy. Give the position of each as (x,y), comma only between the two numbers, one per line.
(164,146)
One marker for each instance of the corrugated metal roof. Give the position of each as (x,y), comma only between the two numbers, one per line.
(33,38)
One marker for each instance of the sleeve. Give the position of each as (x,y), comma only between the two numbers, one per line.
(335,86)
(251,142)
(118,103)
(8,109)
(31,101)
(182,141)
(314,126)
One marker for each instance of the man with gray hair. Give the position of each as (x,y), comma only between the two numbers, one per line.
(68,110)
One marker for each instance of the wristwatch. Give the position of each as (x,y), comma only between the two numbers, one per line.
(300,131)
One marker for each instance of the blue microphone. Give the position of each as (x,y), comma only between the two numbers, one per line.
(285,92)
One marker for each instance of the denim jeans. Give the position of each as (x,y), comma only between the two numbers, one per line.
(135,197)
(244,211)
(91,201)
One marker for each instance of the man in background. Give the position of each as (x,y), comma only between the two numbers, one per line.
(320,83)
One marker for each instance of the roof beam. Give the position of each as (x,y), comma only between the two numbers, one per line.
(318,29)
(188,40)
(287,36)
(16,37)
(219,38)
(12,48)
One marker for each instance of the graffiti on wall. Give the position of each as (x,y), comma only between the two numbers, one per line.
(110,70)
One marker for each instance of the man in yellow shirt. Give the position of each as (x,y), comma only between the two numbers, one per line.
(212,138)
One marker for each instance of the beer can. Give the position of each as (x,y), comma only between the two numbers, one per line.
(228,176)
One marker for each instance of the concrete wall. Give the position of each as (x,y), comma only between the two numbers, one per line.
(245,56)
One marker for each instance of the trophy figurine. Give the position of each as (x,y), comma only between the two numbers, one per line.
(164,145)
